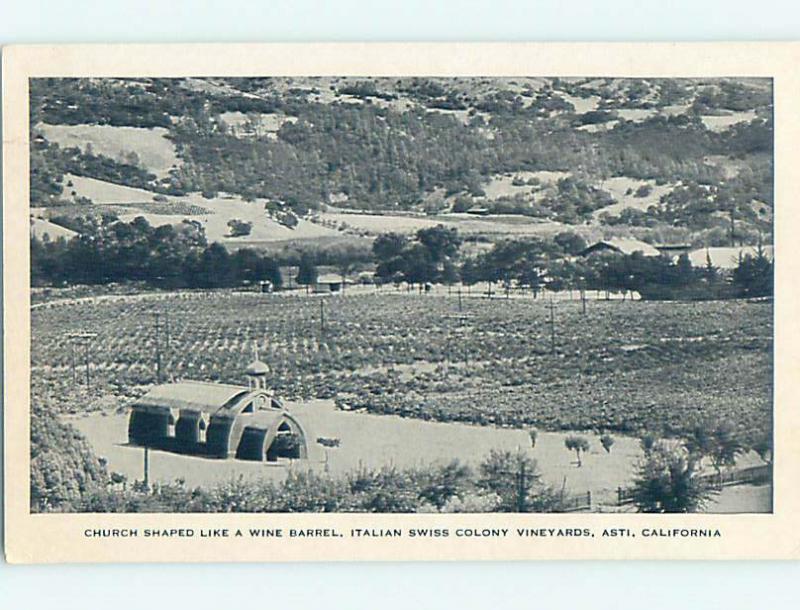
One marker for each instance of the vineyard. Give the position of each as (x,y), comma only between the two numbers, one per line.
(620,366)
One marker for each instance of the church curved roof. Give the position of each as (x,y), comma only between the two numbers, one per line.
(196,395)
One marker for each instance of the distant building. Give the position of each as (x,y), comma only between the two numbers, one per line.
(622,246)
(477,210)
(329,283)
(726,258)
(218,420)
(673,250)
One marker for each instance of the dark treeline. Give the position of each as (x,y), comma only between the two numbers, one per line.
(108,250)
(538,264)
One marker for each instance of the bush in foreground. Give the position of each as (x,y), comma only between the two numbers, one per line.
(505,482)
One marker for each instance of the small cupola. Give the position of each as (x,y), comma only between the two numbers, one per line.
(257,372)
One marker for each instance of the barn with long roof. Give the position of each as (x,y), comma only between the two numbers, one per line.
(218,420)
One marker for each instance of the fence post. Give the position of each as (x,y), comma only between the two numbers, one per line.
(589,499)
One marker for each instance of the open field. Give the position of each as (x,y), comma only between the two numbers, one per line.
(623,366)
(623,190)
(213,213)
(44,229)
(498,225)
(155,151)
(721,122)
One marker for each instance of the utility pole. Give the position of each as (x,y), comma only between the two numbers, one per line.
(82,339)
(147,468)
(460,319)
(552,327)
(463,319)
(72,361)
(86,354)
(322,315)
(157,315)
(460,307)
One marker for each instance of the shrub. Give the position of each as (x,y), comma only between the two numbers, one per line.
(239,228)
(285,445)
(667,482)
(578,444)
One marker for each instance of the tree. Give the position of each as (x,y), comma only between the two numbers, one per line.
(442,242)
(449,273)
(754,274)
(710,272)
(570,242)
(419,266)
(346,267)
(647,442)
(388,246)
(515,478)
(607,441)
(578,444)
(239,228)
(667,481)
(214,267)
(533,433)
(442,483)
(63,466)
(763,447)
(718,442)
(306,272)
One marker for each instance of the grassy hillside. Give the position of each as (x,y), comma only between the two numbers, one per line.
(549,148)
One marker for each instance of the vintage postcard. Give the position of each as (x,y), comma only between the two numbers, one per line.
(284,302)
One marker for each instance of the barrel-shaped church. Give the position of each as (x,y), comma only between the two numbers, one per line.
(218,420)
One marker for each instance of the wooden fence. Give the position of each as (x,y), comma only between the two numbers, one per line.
(576,503)
(744,476)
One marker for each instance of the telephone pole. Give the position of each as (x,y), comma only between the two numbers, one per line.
(552,327)
(82,339)
(157,315)
(166,327)
(521,500)
(86,353)
(322,315)
(147,468)
(72,362)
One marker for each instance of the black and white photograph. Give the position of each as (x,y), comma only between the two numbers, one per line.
(416,294)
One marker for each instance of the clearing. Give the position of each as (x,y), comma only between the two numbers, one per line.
(154,149)
(623,190)
(724,121)
(213,213)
